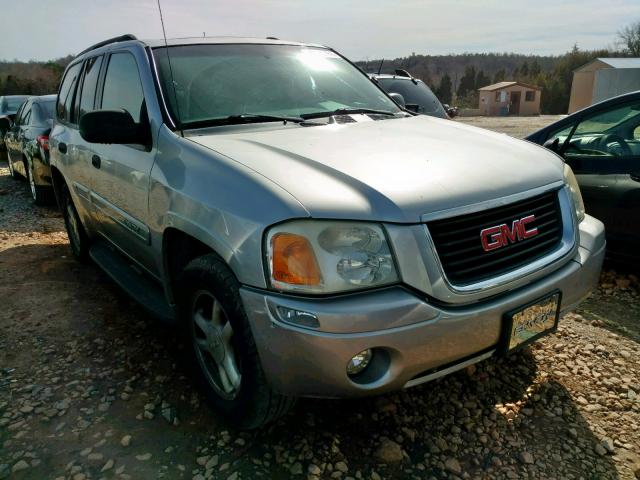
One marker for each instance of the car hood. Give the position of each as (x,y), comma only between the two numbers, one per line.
(393,170)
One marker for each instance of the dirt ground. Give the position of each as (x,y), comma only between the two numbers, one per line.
(91,387)
(518,127)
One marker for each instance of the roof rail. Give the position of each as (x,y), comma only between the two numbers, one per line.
(121,38)
(403,73)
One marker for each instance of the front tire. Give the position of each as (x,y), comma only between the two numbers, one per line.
(221,347)
(75,231)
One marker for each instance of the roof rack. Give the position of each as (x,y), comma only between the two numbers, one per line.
(403,73)
(121,38)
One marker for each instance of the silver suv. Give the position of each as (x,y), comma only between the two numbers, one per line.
(307,235)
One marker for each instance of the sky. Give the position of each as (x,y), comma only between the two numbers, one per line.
(359,29)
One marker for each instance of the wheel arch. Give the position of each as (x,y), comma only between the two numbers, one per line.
(182,245)
(58,181)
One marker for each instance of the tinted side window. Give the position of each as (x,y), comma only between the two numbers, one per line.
(122,87)
(91,74)
(67,93)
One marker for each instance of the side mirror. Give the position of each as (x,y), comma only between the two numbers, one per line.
(552,144)
(399,99)
(111,126)
(414,107)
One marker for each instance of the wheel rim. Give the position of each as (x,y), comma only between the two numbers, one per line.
(32,182)
(212,336)
(73,228)
(9,162)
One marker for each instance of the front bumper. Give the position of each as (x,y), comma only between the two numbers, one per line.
(415,340)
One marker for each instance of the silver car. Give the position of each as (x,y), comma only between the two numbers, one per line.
(308,236)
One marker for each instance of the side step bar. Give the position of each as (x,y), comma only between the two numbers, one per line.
(142,289)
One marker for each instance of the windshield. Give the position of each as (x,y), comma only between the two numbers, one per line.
(217,81)
(415,94)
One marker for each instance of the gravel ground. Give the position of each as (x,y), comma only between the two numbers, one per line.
(518,127)
(91,387)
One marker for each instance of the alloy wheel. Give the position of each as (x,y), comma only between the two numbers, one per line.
(10,164)
(212,336)
(32,182)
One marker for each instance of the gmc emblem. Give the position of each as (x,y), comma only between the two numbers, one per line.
(501,235)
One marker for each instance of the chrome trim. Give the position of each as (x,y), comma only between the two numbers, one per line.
(568,245)
(494,203)
(448,370)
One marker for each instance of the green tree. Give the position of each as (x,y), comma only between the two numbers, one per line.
(444,91)
(467,82)
(482,80)
(500,76)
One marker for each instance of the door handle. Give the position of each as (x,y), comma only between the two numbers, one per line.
(95,161)
(62,147)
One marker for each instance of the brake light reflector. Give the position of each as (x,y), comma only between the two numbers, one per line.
(43,141)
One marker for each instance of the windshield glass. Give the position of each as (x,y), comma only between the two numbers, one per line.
(415,94)
(217,81)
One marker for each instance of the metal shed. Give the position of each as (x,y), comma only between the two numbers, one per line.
(603,78)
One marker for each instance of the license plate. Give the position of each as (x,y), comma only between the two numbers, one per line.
(530,322)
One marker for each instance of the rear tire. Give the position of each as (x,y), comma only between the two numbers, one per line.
(209,301)
(75,231)
(12,173)
(42,195)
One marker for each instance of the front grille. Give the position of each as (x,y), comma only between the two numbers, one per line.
(458,243)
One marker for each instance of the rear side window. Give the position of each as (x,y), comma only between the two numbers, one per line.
(42,112)
(67,93)
(122,87)
(91,75)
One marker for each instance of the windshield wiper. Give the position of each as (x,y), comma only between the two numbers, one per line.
(258,117)
(346,111)
(242,118)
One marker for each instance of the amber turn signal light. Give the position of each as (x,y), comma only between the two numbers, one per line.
(293,260)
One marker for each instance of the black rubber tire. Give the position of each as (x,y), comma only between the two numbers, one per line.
(255,404)
(41,194)
(79,246)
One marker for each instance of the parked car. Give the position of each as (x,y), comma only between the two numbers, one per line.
(601,143)
(27,143)
(308,236)
(415,94)
(9,105)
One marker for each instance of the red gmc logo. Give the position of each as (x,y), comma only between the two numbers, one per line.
(501,235)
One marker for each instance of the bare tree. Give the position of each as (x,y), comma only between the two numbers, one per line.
(630,38)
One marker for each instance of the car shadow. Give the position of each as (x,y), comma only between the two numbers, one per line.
(615,304)
(487,417)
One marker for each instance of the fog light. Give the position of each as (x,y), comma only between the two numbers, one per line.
(359,362)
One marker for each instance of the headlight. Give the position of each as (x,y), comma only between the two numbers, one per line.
(572,183)
(326,257)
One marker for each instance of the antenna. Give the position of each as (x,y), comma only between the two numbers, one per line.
(173,83)
(379,67)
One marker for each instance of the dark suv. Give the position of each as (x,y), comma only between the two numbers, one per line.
(27,143)
(9,105)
